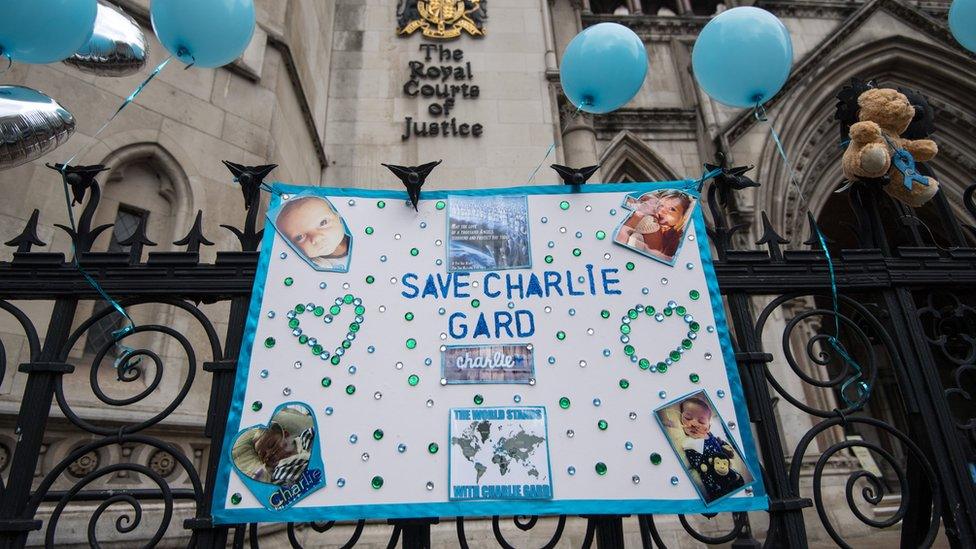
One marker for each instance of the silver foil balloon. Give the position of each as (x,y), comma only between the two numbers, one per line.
(117,47)
(31,125)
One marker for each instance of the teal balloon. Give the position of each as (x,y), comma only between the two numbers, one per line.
(205,33)
(962,23)
(742,57)
(44,31)
(603,68)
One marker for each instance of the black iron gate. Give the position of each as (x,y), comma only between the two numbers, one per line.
(908,311)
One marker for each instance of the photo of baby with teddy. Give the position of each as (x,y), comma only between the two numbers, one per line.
(314,229)
(712,462)
(656,223)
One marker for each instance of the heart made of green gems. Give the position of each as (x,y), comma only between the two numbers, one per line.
(674,355)
(328,316)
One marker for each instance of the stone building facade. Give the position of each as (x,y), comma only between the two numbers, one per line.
(328,90)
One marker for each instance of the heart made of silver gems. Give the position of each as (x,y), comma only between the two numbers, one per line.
(328,316)
(672,310)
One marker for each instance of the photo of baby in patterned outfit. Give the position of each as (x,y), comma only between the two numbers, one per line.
(712,462)
(280,452)
(313,228)
(656,223)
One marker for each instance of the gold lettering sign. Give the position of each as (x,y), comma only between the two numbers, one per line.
(442,19)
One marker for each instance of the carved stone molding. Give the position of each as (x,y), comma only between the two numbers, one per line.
(644,120)
(652,27)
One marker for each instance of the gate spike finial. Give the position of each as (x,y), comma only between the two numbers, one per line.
(195,237)
(28,237)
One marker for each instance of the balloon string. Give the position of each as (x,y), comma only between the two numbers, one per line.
(862,387)
(10,62)
(552,147)
(121,332)
(128,101)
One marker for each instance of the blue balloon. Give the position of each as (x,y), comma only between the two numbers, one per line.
(205,33)
(45,31)
(962,23)
(603,68)
(743,57)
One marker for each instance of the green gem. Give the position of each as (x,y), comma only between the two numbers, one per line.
(414,252)
(360,309)
(346,343)
(269,342)
(327,382)
(378,434)
(411,343)
(630,265)
(256,406)
(605,313)
(656,458)
(413,380)
(235,498)
(299,308)
(350,389)
(293,323)
(600,235)
(475,303)
(564,205)
(335,360)
(369,230)
(668,311)
(649,311)
(479,400)
(548,259)
(560,335)
(694,294)
(601,468)
(433,447)
(624,384)
(662,367)
(602,424)
(335,309)
(289,281)
(370,279)
(318,311)
(381,204)
(354,327)
(440,205)
(686,343)
(347,299)
(564,403)
(694,326)
(675,356)
(317,349)
(694,378)
(625,328)
(632,314)
(680,309)
(644,363)
(408,317)
(628,350)
(377,482)
(577,252)
(303,339)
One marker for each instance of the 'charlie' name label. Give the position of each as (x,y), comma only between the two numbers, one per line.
(488,364)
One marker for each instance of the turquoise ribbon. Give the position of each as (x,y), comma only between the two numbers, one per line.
(863,388)
(552,147)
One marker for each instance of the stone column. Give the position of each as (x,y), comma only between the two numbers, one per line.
(578,135)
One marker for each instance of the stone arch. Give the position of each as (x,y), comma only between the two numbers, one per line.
(811,137)
(628,159)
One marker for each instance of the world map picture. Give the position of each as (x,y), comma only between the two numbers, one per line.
(499,453)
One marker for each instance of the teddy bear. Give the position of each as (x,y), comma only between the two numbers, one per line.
(877,149)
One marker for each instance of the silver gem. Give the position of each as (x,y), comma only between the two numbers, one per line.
(328,410)
(606,352)
(398,365)
(430,485)
(571,470)
(664,281)
(691,237)
(401,447)
(625,339)
(635,479)
(720,393)
(443,336)
(570,433)
(588,208)
(572,312)
(692,335)
(370,349)
(377,395)
(708,356)
(352,202)
(689,266)
(589,331)
(264,374)
(674,481)
(352,369)
(731,425)
(551,244)
(547,309)
(382,259)
(271,314)
(579,234)
(597,402)
(672,304)
(357,301)
(340,482)
(544,220)
(443,348)
(286,391)
(628,445)
(439,262)
(511,304)
(345,285)
(290,315)
(353,439)
(365,456)
(438,242)
(283,255)
(562,230)
(323,285)
(382,308)
(328,319)
(659,317)
(582,364)
(430,402)
(396,236)
(632,416)
(443,381)
(531,381)
(296,332)
(298,364)
(710,329)
(423,224)
(340,351)
(645,291)
(606,256)
(393,280)
(517,398)
(441,311)
(613,211)
(663,394)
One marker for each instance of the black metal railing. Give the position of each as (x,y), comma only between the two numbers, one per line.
(907,311)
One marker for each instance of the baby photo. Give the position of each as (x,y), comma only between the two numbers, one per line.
(704,446)
(280,452)
(656,223)
(316,231)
